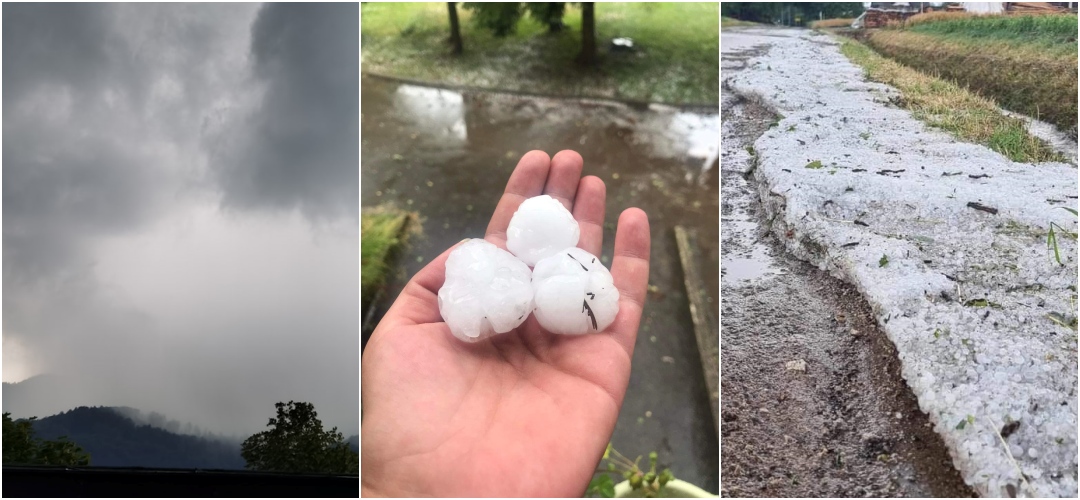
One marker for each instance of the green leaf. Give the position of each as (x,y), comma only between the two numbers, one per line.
(1070,210)
(961,425)
(814,164)
(977,303)
(1051,243)
(883,261)
(607,451)
(602,486)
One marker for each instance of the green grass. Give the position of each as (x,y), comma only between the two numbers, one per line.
(1055,32)
(677,59)
(1026,78)
(951,107)
(381,233)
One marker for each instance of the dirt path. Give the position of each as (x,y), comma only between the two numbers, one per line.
(813,403)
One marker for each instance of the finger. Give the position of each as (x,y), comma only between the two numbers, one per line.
(527,181)
(589,212)
(418,302)
(562,179)
(630,271)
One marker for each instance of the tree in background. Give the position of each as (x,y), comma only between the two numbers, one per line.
(787,12)
(455,28)
(588,35)
(549,13)
(499,17)
(297,442)
(21,447)
(502,18)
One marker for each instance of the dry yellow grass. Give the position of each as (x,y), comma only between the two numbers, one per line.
(832,23)
(1025,79)
(951,107)
(930,17)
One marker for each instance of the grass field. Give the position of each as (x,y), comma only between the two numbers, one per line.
(676,62)
(730,22)
(1054,32)
(948,106)
(1027,64)
(832,23)
(381,233)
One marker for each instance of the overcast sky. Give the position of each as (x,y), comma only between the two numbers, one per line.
(180,224)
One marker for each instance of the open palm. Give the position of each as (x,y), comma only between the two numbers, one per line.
(525,413)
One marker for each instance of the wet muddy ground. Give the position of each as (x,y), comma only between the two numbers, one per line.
(813,403)
(446,155)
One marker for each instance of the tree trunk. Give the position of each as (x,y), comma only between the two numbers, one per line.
(588,35)
(455,29)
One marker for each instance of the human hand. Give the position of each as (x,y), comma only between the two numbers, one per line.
(523,413)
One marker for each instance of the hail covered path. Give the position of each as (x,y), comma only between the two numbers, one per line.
(943,244)
(812,404)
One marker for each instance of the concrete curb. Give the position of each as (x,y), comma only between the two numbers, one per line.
(706,328)
(710,107)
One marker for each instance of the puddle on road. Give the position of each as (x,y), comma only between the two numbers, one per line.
(738,270)
(447,155)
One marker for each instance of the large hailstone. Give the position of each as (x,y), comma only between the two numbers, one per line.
(574,293)
(487,291)
(540,228)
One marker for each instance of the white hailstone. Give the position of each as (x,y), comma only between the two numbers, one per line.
(487,291)
(540,228)
(574,293)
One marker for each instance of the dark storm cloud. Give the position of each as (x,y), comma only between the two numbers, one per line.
(58,185)
(126,126)
(53,43)
(299,148)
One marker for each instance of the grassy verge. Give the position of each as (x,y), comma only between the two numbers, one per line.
(675,61)
(1008,59)
(381,233)
(949,106)
(731,22)
(832,23)
(1055,32)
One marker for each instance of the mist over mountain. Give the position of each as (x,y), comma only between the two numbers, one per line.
(112,439)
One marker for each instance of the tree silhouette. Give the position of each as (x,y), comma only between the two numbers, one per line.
(296,442)
(455,28)
(588,35)
(21,447)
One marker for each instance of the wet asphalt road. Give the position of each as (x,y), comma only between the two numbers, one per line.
(446,156)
